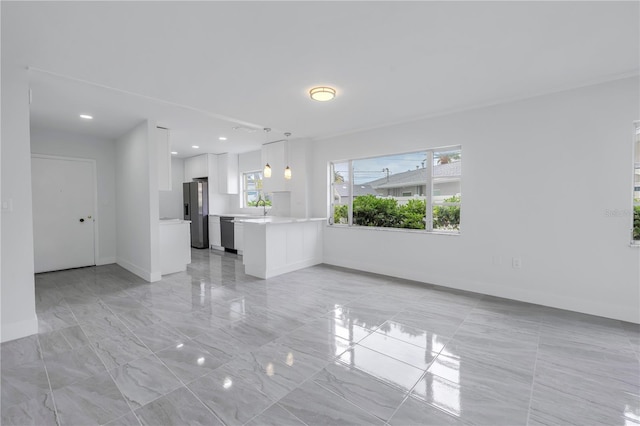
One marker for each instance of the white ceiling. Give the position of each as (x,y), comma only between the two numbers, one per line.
(201,68)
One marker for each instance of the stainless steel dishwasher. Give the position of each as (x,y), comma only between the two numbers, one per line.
(226,233)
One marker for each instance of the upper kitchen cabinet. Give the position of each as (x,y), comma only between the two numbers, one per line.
(275,154)
(196,167)
(163,149)
(228,177)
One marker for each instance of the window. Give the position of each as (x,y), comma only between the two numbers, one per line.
(635,238)
(418,190)
(252,190)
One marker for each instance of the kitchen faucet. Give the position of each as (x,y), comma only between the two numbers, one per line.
(264,204)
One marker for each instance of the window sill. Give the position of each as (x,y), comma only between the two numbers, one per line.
(410,231)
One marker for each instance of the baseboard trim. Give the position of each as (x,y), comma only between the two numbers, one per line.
(105,261)
(16,330)
(141,272)
(554,301)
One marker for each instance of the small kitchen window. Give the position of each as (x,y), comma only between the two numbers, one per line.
(252,192)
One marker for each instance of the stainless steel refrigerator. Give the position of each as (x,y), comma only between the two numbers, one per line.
(196,209)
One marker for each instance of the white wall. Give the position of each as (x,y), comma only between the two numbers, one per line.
(17,284)
(171,201)
(103,151)
(137,206)
(538,178)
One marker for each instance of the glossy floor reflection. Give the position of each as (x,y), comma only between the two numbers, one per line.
(318,346)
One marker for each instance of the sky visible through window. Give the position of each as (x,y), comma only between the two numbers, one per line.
(369,169)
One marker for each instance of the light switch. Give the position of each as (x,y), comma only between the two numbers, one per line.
(7,205)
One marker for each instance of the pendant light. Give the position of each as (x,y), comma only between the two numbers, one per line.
(287,170)
(266,173)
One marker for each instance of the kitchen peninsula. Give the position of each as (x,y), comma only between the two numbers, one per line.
(277,245)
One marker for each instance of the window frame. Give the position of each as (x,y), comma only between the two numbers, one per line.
(429,193)
(243,200)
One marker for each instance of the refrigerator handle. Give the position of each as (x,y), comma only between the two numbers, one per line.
(186,210)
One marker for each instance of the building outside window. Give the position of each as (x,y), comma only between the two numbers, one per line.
(418,190)
(252,190)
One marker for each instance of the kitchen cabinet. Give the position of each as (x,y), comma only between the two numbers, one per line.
(175,245)
(215,237)
(228,178)
(238,236)
(163,152)
(196,167)
(275,154)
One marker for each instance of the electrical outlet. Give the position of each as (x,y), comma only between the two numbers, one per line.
(516,262)
(7,205)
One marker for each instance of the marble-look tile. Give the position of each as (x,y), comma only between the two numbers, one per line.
(470,404)
(120,304)
(621,367)
(75,336)
(36,411)
(143,380)
(251,334)
(69,367)
(189,360)
(232,399)
(361,389)
(95,400)
(20,351)
(275,416)
(23,382)
(90,310)
(497,381)
(551,407)
(317,344)
(179,407)
(386,369)
(193,324)
(55,319)
(128,419)
(413,355)
(606,394)
(271,377)
(99,328)
(159,336)
(416,412)
(416,336)
(53,342)
(119,350)
(441,323)
(219,343)
(315,405)
(137,318)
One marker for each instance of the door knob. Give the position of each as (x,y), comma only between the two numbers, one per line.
(82,219)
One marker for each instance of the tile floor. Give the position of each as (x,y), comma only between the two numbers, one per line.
(319,346)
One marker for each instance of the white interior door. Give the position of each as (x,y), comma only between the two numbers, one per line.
(63,212)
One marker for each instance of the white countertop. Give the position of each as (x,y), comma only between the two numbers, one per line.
(174,221)
(276,220)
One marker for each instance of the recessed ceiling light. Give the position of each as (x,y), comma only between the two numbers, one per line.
(195,146)
(322,94)
(222,138)
(86,117)
(174,153)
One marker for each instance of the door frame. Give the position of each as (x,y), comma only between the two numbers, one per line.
(96,215)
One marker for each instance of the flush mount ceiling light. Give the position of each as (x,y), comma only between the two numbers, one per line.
(195,146)
(174,153)
(222,138)
(322,94)
(86,117)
